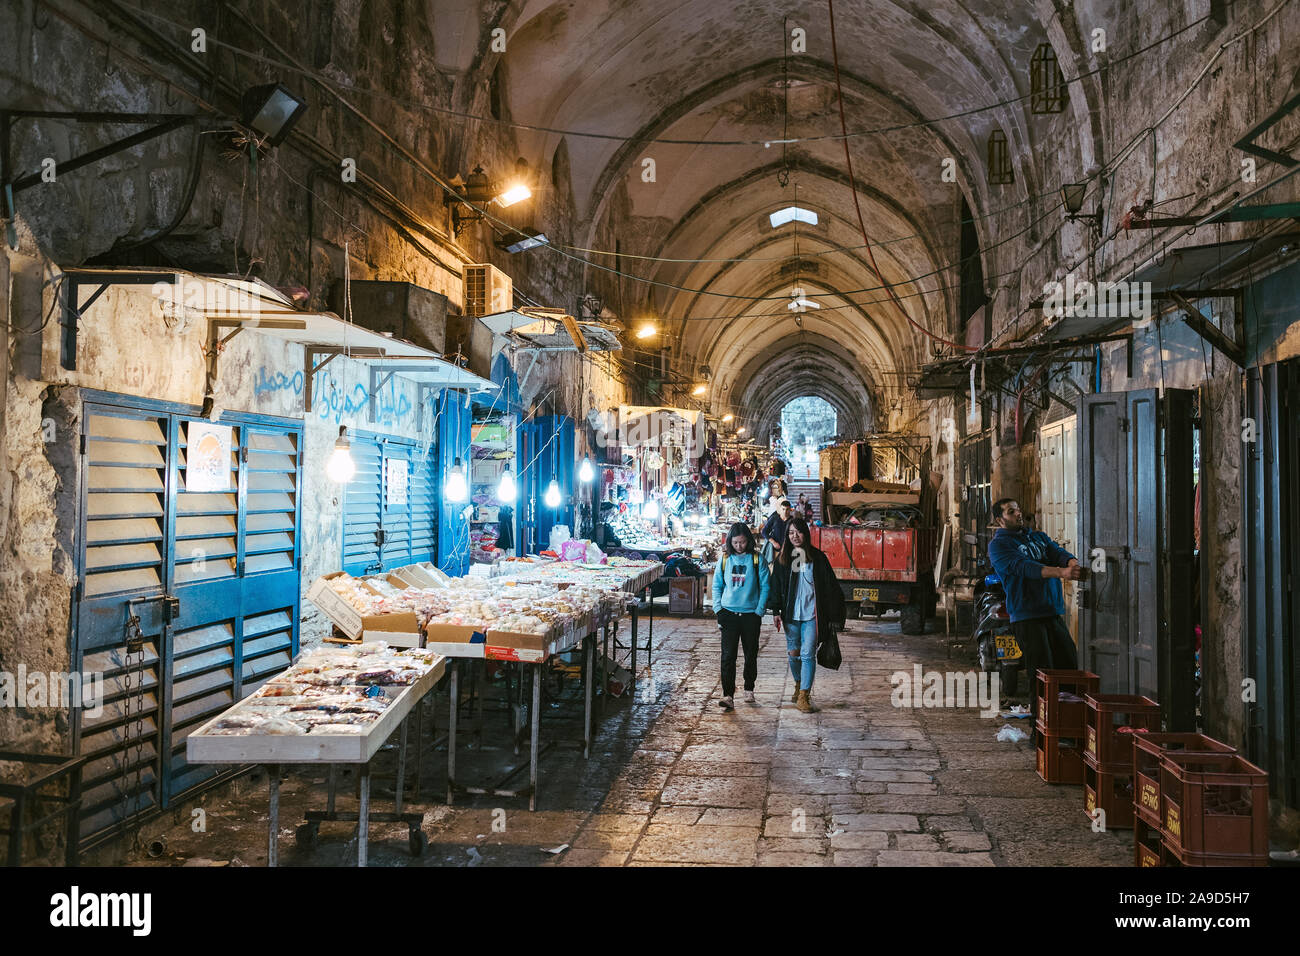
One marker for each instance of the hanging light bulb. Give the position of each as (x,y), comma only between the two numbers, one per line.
(651,510)
(552,497)
(585,472)
(506,490)
(455,489)
(340,468)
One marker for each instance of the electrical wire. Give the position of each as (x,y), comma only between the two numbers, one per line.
(334,84)
(853,187)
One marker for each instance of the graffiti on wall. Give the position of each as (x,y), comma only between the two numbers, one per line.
(270,382)
(334,399)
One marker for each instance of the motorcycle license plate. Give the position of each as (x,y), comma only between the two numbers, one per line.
(866,594)
(1007,647)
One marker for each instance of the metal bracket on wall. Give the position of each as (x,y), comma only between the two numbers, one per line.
(74,309)
(1209,331)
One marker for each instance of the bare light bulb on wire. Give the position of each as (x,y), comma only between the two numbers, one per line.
(506,489)
(455,489)
(552,497)
(340,468)
(585,472)
(651,510)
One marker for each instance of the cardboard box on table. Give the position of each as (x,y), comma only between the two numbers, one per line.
(400,629)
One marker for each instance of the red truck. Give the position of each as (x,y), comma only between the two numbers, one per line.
(882,542)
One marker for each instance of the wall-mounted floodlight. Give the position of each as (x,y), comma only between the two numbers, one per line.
(521,240)
(271,111)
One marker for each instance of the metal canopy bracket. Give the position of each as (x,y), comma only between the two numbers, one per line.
(74,309)
(1209,331)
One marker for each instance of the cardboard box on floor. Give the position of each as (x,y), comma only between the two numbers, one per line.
(400,629)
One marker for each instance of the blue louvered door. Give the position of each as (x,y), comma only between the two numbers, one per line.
(212,575)
(382,531)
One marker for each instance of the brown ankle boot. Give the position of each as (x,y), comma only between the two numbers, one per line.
(794,698)
(804,702)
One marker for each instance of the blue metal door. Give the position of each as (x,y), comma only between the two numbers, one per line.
(383,529)
(212,576)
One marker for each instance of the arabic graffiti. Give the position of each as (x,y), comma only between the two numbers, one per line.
(334,400)
(277,382)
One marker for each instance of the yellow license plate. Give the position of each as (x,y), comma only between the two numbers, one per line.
(1006,646)
(866,594)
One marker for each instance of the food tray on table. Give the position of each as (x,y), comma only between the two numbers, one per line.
(335,705)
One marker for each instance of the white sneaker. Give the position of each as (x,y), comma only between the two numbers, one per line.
(749,696)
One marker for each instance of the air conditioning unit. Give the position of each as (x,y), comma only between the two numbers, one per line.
(488,290)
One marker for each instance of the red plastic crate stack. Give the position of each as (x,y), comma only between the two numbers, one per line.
(1059,701)
(1214,809)
(1148,756)
(1110,722)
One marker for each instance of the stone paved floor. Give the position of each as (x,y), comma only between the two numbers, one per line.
(673,780)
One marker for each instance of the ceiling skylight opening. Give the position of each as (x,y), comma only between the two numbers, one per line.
(792,214)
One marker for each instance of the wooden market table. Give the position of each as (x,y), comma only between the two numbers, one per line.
(273,750)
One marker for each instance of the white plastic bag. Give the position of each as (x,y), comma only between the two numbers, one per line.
(1009,734)
(559,535)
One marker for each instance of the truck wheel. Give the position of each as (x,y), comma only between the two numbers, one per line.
(912,619)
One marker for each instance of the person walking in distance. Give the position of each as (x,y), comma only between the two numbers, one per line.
(805,597)
(740,592)
(1032,566)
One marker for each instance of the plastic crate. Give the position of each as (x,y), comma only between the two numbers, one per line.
(1148,845)
(1110,792)
(1059,759)
(1104,747)
(1148,754)
(1214,806)
(1055,716)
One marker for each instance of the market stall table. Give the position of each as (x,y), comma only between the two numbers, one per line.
(261,728)
(584,632)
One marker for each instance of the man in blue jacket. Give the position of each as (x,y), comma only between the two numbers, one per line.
(1032,566)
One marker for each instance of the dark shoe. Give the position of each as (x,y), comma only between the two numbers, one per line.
(726,703)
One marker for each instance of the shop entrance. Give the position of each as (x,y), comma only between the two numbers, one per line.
(211,575)
(1136,520)
(1272,525)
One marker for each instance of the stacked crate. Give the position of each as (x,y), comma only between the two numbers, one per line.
(1149,750)
(1059,721)
(1214,809)
(1110,723)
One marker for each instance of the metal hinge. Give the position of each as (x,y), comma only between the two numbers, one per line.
(83,445)
(1123,424)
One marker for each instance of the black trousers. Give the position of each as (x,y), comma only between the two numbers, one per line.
(738,629)
(1045,643)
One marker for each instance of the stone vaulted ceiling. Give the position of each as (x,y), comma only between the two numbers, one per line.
(649,72)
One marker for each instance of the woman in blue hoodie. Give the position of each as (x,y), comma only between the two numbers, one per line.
(739,597)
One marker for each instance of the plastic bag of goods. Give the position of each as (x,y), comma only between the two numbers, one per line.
(559,535)
(594,554)
(573,550)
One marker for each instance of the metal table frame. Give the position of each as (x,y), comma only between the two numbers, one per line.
(536,669)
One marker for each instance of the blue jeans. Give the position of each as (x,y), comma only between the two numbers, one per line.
(801,645)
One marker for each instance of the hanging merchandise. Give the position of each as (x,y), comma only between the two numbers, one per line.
(653,460)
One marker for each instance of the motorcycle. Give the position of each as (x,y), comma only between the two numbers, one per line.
(996,646)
